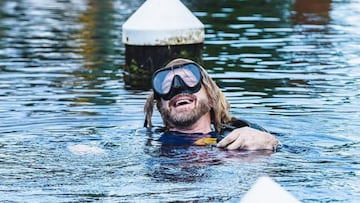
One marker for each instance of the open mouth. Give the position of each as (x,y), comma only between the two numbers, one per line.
(182,100)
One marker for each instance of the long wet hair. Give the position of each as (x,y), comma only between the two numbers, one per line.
(220,106)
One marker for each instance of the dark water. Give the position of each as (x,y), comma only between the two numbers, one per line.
(290,66)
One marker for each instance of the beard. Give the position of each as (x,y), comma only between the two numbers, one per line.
(184,118)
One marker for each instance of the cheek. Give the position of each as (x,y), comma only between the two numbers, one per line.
(202,94)
(164,104)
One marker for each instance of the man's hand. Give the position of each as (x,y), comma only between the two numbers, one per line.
(249,139)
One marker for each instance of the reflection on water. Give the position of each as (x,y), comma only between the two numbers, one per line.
(290,66)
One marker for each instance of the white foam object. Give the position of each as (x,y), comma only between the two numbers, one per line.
(266,190)
(162,22)
(82,149)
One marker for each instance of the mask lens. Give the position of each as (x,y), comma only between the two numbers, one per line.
(163,79)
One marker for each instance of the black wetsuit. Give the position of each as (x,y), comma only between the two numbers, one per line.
(179,138)
(237,123)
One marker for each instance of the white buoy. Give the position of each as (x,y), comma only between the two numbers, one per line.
(162,22)
(265,190)
(159,31)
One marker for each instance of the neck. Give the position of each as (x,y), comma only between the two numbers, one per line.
(203,125)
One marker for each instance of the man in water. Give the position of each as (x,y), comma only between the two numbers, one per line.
(192,105)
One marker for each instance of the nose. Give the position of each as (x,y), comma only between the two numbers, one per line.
(177,83)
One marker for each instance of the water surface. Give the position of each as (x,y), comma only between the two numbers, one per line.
(290,66)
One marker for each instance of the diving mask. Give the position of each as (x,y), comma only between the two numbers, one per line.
(170,81)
